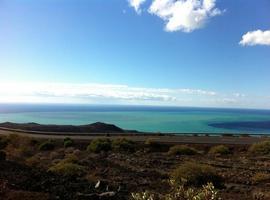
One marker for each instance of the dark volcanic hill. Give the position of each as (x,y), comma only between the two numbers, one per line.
(97,127)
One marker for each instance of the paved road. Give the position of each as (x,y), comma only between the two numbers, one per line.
(176,139)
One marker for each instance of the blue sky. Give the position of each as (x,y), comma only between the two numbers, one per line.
(94,49)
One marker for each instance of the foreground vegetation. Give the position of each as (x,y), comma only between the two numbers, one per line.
(108,168)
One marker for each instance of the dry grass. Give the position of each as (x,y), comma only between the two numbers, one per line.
(219,150)
(261,148)
(68,167)
(182,150)
(194,174)
(123,145)
(99,145)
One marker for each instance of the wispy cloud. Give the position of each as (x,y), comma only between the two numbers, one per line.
(123,92)
(136,4)
(91,93)
(239,95)
(94,92)
(257,37)
(181,15)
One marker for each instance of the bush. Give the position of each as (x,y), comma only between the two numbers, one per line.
(46,146)
(182,150)
(207,192)
(68,169)
(219,150)
(19,147)
(68,142)
(98,145)
(2,155)
(123,145)
(67,139)
(261,148)
(149,142)
(17,141)
(193,174)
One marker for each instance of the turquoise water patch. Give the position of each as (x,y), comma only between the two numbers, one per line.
(148,119)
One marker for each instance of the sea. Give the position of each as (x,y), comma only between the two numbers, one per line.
(178,120)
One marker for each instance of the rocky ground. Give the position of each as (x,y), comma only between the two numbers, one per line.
(25,173)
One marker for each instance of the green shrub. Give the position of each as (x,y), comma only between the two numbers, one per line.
(68,143)
(98,145)
(67,139)
(123,145)
(182,150)
(194,174)
(261,148)
(68,169)
(219,150)
(46,146)
(70,158)
(2,155)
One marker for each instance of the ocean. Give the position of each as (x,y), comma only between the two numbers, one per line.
(144,118)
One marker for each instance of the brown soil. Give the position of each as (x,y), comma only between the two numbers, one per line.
(123,173)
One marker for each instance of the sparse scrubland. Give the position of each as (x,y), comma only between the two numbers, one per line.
(219,150)
(118,169)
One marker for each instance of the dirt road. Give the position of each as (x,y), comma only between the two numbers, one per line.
(177,139)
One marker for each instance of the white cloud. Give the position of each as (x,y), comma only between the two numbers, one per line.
(198,92)
(91,93)
(239,95)
(94,93)
(184,15)
(136,4)
(257,37)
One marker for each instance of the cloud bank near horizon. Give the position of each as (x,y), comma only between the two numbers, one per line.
(180,15)
(257,37)
(91,93)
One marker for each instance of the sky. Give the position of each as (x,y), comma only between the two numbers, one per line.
(203,53)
